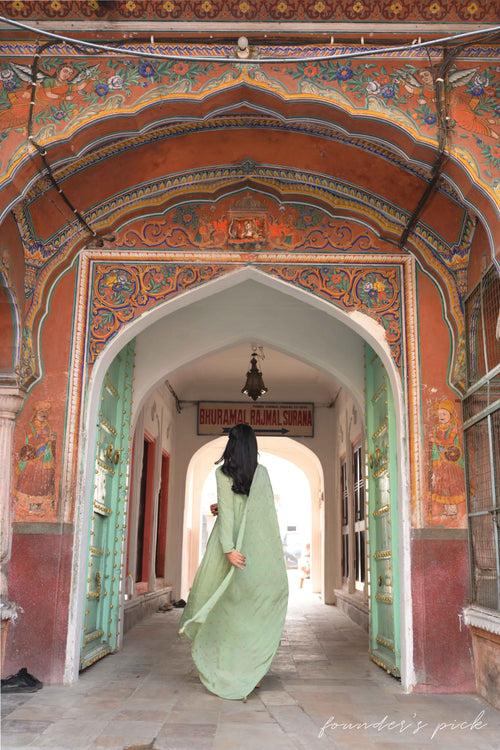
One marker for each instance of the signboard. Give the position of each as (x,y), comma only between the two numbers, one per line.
(267,418)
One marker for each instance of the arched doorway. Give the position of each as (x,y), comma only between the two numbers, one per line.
(309,328)
(293,454)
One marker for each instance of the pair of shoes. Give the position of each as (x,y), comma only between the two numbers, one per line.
(21,682)
(180,603)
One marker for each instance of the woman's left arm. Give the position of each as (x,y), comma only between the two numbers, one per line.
(225,513)
(225,519)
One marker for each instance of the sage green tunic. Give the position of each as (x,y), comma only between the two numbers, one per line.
(234,617)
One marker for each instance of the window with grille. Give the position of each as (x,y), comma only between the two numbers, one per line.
(344,498)
(481,409)
(359,516)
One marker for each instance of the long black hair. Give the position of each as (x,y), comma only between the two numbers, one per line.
(240,458)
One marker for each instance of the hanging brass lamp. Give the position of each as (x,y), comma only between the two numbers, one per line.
(254,386)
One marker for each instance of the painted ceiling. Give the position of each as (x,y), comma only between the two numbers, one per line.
(339,152)
(82,102)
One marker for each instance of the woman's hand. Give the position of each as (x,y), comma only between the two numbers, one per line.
(236,558)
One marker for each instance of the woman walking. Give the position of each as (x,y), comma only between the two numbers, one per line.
(237,604)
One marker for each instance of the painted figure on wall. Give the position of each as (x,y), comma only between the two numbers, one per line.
(14,97)
(447,478)
(473,102)
(420,86)
(61,84)
(248,229)
(35,489)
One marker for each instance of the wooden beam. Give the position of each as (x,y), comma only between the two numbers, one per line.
(235,29)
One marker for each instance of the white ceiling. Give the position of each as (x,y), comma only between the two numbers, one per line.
(221,376)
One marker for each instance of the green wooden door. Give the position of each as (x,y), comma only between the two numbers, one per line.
(107,525)
(385,645)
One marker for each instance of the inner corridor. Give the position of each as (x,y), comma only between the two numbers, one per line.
(148,696)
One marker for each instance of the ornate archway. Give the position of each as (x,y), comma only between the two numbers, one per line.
(355,321)
(301,211)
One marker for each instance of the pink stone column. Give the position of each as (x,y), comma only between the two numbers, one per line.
(11,401)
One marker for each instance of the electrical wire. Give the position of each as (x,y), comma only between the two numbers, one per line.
(441,88)
(178,401)
(477,33)
(42,152)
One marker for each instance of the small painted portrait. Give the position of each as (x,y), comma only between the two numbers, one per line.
(420,86)
(64,83)
(447,477)
(35,487)
(251,229)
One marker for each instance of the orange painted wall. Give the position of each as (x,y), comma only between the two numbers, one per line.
(52,392)
(7,332)
(195,151)
(40,566)
(13,273)
(480,257)
(435,349)
(439,552)
(12,247)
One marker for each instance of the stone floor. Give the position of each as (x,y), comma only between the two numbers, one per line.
(148,695)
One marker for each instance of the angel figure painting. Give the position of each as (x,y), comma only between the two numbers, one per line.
(56,86)
(472,96)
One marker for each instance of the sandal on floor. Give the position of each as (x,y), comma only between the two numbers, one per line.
(21,682)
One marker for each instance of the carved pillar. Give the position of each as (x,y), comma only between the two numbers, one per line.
(11,401)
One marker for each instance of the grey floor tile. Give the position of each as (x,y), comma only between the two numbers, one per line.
(150,692)
(24,726)
(17,740)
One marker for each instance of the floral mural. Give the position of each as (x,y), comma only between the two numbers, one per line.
(71,89)
(252,224)
(373,291)
(123,291)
